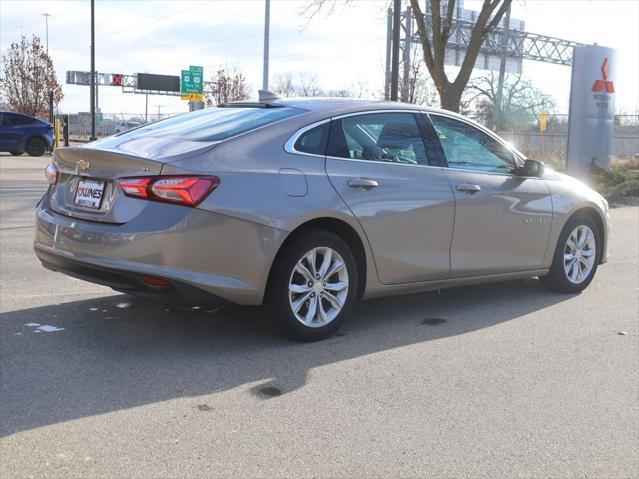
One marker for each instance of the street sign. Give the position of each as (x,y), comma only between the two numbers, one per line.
(160,83)
(192,81)
(192,97)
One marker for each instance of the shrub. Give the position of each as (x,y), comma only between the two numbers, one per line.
(617,183)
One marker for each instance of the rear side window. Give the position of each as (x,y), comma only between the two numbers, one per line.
(214,124)
(314,140)
(387,137)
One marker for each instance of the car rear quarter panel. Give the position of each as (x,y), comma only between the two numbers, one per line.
(254,188)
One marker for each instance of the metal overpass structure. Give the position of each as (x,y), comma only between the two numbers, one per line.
(509,38)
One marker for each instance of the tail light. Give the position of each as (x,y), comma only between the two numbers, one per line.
(181,190)
(51,173)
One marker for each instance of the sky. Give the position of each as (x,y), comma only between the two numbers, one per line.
(343,49)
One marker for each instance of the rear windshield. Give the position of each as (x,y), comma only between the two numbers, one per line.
(214,124)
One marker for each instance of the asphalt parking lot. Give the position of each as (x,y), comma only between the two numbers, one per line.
(502,380)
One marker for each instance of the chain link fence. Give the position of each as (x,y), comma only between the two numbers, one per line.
(523,132)
(109,123)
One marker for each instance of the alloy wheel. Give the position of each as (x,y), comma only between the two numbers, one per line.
(318,287)
(579,254)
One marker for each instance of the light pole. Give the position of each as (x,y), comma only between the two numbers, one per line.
(267,19)
(92,93)
(46,23)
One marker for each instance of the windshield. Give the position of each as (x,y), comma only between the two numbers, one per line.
(214,124)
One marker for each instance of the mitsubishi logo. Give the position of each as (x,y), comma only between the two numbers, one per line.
(604,85)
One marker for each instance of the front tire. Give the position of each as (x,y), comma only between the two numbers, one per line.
(313,286)
(36,147)
(576,256)
(16,153)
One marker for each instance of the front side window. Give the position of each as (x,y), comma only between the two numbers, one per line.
(214,124)
(469,148)
(387,137)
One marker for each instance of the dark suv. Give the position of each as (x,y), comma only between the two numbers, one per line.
(20,133)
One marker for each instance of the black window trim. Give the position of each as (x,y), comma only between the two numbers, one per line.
(518,156)
(289,146)
(415,113)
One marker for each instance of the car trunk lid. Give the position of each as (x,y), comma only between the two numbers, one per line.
(87,186)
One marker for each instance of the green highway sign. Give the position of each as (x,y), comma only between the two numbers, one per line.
(192,80)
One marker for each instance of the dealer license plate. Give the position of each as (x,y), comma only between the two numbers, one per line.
(89,193)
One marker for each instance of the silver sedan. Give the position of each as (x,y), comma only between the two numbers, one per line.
(309,205)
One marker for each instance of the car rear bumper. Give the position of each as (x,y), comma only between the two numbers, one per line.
(195,251)
(126,281)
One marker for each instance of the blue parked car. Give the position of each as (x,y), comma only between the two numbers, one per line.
(20,133)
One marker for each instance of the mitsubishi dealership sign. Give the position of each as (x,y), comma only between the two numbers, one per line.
(592,109)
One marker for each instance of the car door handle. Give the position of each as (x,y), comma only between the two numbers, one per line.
(362,183)
(468,188)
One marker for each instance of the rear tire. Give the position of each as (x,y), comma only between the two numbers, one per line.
(313,286)
(16,153)
(576,256)
(36,147)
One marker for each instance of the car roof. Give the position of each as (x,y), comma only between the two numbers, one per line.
(335,106)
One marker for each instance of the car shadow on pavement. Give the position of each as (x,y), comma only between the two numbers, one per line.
(118,352)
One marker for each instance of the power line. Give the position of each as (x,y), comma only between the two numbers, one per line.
(22,25)
(116,32)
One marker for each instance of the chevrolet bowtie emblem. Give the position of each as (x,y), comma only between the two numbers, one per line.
(81,165)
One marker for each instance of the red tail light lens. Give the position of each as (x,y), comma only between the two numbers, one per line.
(181,190)
(155,281)
(136,187)
(51,173)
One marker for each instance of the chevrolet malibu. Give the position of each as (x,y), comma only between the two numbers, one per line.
(309,205)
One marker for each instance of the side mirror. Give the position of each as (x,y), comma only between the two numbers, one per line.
(532,168)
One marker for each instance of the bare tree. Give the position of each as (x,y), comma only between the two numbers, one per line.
(419,87)
(27,76)
(308,84)
(434,36)
(284,85)
(227,86)
(305,83)
(435,42)
(521,100)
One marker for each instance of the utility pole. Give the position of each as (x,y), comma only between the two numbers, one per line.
(267,21)
(146,108)
(397,18)
(406,54)
(92,92)
(50,98)
(389,42)
(97,104)
(502,69)
(46,23)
